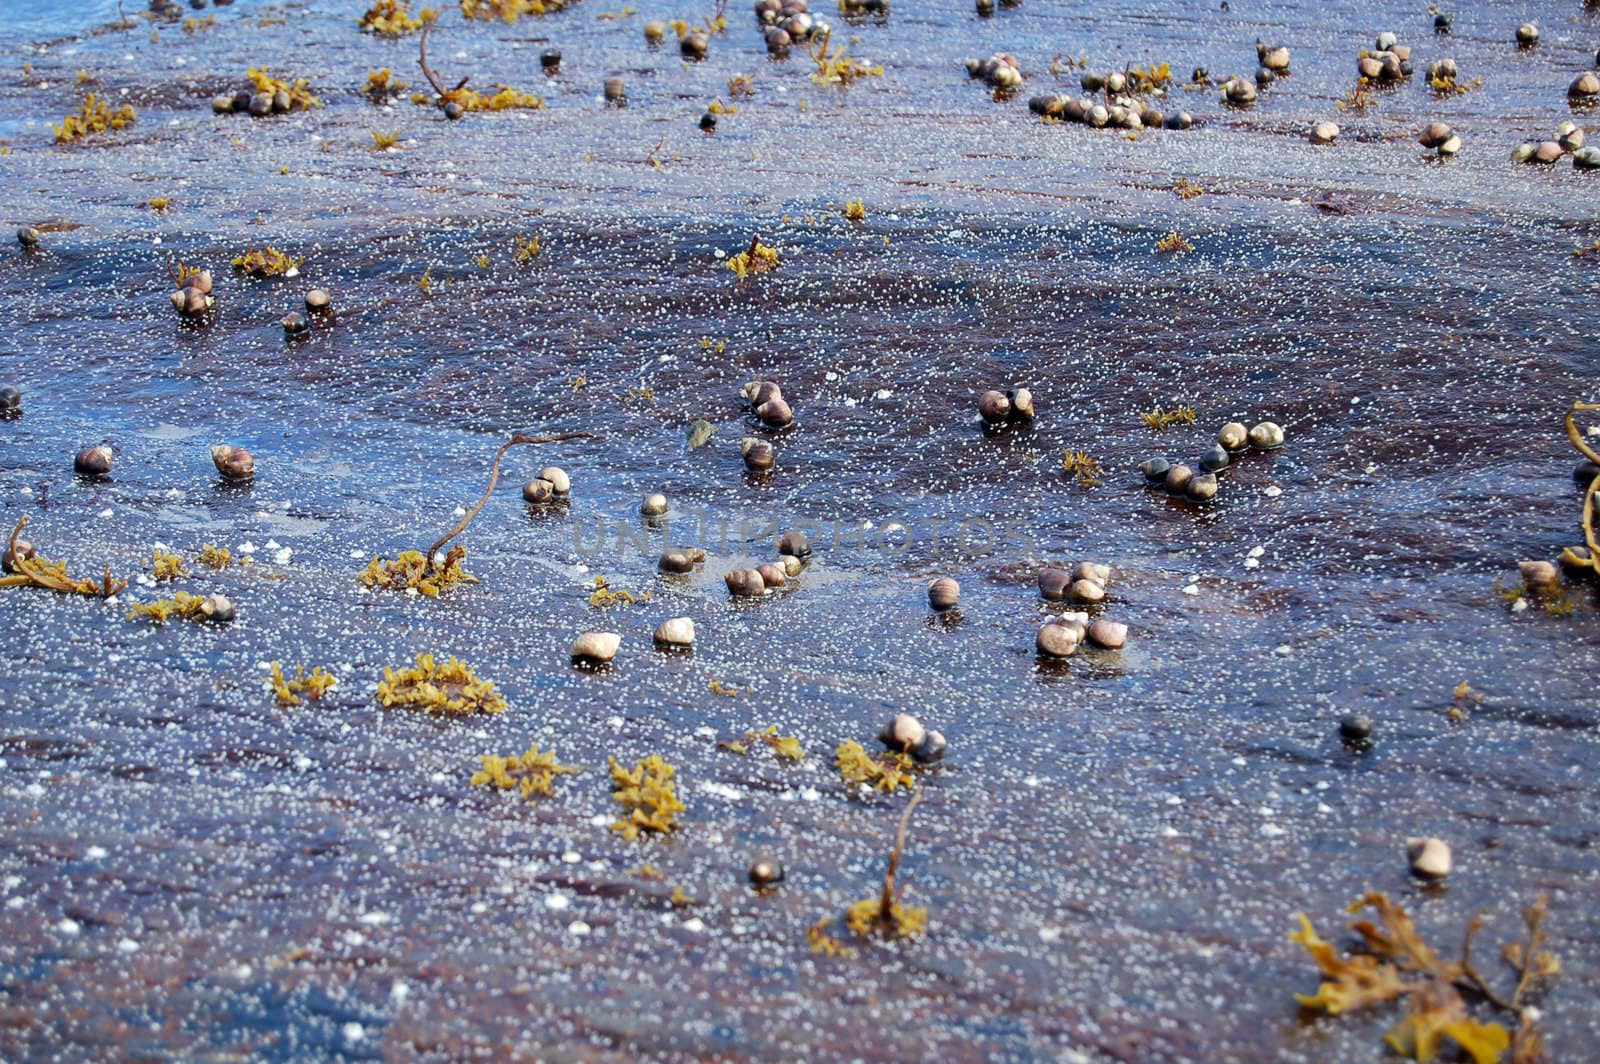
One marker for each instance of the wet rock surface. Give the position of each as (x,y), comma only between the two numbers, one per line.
(190,870)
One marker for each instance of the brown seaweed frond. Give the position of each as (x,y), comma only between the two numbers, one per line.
(312,685)
(505,98)
(785,747)
(605,596)
(410,571)
(1084,466)
(646,795)
(381,84)
(34,571)
(450,689)
(165,566)
(532,773)
(837,68)
(391,18)
(182,605)
(887,772)
(299,89)
(494,478)
(1395,963)
(96,116)
(266,262)
(511,10)
(1159,419)
(757,258)
(1174,243)
(214,557)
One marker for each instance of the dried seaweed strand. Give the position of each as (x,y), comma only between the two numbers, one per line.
(890,895)
(1589,536)
(494,478)
(427,71)
(37,572)
(1471,975)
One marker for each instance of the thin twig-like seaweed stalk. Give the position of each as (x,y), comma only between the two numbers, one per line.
(1589,496)
(890,895)
(494,478)
(422,61)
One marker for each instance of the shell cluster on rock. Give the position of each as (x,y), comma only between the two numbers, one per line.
(193,298)
(1084,584)
(1117,108)
(906,734)
(766,400)
(1389,61)
(1000,72)
(1440,137)
(1179,478)
(1013,406)
(789,22)
(551,485)
(1569,140)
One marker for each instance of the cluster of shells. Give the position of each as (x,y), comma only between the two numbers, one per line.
(1084,584)
(773,411)
(789,22)
(1116,111)
(1440,137)
(1181,479)
(794,553)
(256,104)
(863,8)
(1568,141)
(318,302)
(1389,62)
(998,409)
(1272,63)
(193,299)
(1000,72)
(552,485)
(906,734)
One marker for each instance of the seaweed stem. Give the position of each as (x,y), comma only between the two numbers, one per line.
(887,899)
(433,79)
(494,478)
(1471,974)
(1577,437)
(1529,969)
(1589,536)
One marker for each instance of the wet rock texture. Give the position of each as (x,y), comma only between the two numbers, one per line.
(1114,845)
